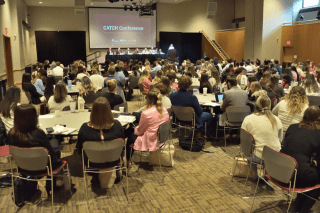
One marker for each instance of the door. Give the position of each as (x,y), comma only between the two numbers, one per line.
(8,59)
(288,54)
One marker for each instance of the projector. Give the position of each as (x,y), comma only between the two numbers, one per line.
(146,12)
(2,2)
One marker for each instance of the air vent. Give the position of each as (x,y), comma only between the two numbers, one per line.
(211,9)
(80,12)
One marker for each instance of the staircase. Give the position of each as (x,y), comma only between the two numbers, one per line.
(220,50)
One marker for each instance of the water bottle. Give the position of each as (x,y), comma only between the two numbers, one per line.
(69,85)
(81,104)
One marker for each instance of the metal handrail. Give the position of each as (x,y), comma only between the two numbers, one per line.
(212,44)
(93,53)
(301,22)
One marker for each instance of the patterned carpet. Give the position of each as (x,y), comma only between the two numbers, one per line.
(198,182)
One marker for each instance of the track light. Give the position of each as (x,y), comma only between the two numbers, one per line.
(125,8)
(301,17)
(131,8)
(137,8)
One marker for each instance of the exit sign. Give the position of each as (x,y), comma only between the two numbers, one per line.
(6,30)
(288,42)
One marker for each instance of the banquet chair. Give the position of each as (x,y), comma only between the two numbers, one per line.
(124,104)
(102,152)
(164,133)
(185,116)
(314,100)
(142,95)
(235,117)
(58,78)
(36,163)
(246,150)
(281,170)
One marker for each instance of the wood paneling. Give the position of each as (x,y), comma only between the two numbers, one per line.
(232,42)
(208,50)
(304,40)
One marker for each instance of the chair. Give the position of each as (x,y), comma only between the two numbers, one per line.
(281,170)
(314,101)
(235,116)
(102,152)
(142,94)
(35,162)
(164,133)
(185,116)
(124,104)
(246,149)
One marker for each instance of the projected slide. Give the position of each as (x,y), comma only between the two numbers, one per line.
(118,28)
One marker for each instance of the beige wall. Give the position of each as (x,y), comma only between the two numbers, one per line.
(191,17)
(275,13)
(12,13)
(182,17)
(240,11)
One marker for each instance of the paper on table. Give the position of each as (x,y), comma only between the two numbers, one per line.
(211,104)
(126,119)
(46,116)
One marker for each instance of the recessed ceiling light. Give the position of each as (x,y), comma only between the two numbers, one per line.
(91,3)
(40,2)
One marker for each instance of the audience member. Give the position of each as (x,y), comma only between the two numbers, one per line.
(60,99)
(30,89)
(58,70)
(97,79)
(113,98)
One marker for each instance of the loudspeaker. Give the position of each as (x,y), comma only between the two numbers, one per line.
(212,9)
(27,70)
(2,2)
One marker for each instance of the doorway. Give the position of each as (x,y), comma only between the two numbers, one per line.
(8,59)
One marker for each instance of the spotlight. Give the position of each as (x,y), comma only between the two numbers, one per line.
(2,2)
(237,24)
(301,17)
(131,8)
(125,8)
(318,15)
(137,8)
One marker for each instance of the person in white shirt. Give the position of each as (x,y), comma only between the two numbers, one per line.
(227,66)
(152,51)
(291,109)
(97,79)
(248,67)
(60,99)
(145,51)
(265,128)
(81,73)
(57,71)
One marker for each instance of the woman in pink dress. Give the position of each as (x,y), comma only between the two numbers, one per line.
(146,80)
(145,136)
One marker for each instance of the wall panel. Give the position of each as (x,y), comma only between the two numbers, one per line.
(304,41)
(232,42)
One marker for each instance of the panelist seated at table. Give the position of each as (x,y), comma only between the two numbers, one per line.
(183,98)
(111,95)
(110,52)
(145,51)
(128,52)
(160,52)
(137,51)
(152,51)
(25,133)
(119,52)
(60,99)
(101,127)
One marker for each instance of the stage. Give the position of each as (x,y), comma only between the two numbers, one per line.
(139,57)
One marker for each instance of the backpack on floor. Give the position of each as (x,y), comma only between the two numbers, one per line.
(185,143)
(23,190)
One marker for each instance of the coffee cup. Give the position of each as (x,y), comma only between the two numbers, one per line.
(121,109)
(205,90)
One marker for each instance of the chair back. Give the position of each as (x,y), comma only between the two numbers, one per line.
(121,93)
(66,108)
(124,104)
(246,142)
(183,113)
(123,81)
(278,165)
(103,151)
(133,83)
(91,97)
(314,100)
(164,132)
(30,159)
(236,114)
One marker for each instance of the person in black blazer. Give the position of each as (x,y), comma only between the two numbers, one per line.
(110,52)
(119,52)
(301,141)
(27,86)
(128,51)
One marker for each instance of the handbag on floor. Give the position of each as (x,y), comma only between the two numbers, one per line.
(185,143)
(241,168)
(23,190)
(166,156)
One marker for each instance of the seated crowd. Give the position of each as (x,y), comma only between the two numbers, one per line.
(284,122)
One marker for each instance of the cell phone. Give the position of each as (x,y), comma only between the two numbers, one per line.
(50,130)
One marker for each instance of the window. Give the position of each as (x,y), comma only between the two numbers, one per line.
(310,3)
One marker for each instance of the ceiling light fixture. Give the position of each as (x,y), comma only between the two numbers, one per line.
(40,2)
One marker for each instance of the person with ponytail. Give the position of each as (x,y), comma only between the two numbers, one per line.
(145,136)
(265,128)
(111,95)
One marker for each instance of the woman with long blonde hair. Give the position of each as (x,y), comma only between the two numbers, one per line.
(310,85)
(145,136)
(146,80)
(266,78)
(256,90)
(265,128)
(290,110)
(86,87)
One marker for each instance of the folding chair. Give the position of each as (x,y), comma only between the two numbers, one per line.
(35,162)
(142,94)
(102,152)
(281,170)
(235,117)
